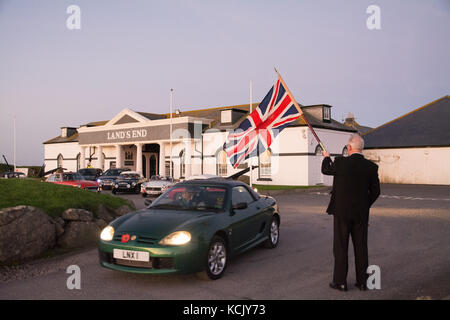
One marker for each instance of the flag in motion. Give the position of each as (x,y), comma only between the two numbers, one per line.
(256,133)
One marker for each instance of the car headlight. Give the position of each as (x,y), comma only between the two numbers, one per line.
(116,186)
(177,238)
(107,233)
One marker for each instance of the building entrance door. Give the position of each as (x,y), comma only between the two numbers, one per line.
(150,160)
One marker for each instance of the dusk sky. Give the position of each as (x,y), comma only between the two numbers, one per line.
(128,54)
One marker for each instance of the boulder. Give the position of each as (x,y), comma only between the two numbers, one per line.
(122,210)
(101,223)
(25,232)
(77,215)
(105,214)
(79,234)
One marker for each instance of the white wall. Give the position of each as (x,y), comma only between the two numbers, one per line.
(412,165)
(334,142)
(69,152)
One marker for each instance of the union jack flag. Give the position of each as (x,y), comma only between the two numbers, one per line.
(257,132)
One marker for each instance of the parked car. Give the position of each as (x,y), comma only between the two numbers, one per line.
(73,179)
(90,173)
(108,179)
(195,226)
(156,186)
(11,175)
(128,181)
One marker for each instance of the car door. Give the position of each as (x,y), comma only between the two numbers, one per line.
(244,222)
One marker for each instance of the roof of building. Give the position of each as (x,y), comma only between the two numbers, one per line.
(215,115)
(60,139)
(427,126)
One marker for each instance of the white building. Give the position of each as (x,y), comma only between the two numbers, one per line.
(141,141)
(414,148)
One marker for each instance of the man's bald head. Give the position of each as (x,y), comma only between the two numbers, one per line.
(356,144)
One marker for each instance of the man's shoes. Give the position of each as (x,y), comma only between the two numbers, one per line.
(340,287)
(361,287)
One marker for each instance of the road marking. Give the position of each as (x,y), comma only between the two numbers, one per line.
(397,197)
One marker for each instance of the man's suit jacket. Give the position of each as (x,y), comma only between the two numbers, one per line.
(355,186)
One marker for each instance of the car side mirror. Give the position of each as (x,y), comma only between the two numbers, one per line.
(238,206)
(147,202)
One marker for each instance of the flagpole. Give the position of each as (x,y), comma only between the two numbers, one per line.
(171,107)
(250,159)
(300,110)
(14,143)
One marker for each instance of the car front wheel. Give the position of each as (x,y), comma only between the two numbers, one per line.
(274,234)
(216,260)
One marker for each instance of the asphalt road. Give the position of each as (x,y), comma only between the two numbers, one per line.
(409,240)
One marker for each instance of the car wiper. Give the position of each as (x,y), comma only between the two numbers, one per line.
(165,206)
(203,208)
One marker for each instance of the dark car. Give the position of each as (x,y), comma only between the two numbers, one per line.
(10,175)
(90,173)
(108,179)
(128,181)
(194,226)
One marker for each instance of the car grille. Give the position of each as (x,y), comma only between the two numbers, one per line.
(135,264)
(140,239)
(153,189)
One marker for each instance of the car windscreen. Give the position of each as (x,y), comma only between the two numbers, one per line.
(194,198)
(72,177)
(129,176)
(88,172)
(112,172)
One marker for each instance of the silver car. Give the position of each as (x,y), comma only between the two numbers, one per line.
(156,186)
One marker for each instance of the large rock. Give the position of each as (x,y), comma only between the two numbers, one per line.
(25,232)
(122,210)
(77,215)
(79,234)
(105,213)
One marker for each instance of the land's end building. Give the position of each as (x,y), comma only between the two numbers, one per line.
(141,141)
(414,148)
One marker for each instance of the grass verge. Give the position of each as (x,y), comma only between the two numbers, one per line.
(53,199)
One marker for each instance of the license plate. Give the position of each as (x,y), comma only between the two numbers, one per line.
(131,255)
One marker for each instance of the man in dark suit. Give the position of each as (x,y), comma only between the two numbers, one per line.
(355,188)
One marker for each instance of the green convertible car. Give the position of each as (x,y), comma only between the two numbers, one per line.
(195,226)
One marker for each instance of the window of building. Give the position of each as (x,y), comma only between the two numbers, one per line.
(168,172)
(327,113)
(182,164)
(128,155)
(221,163)
(79,161)
(318,151)
(265,164)
(345,151)
(60,161)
